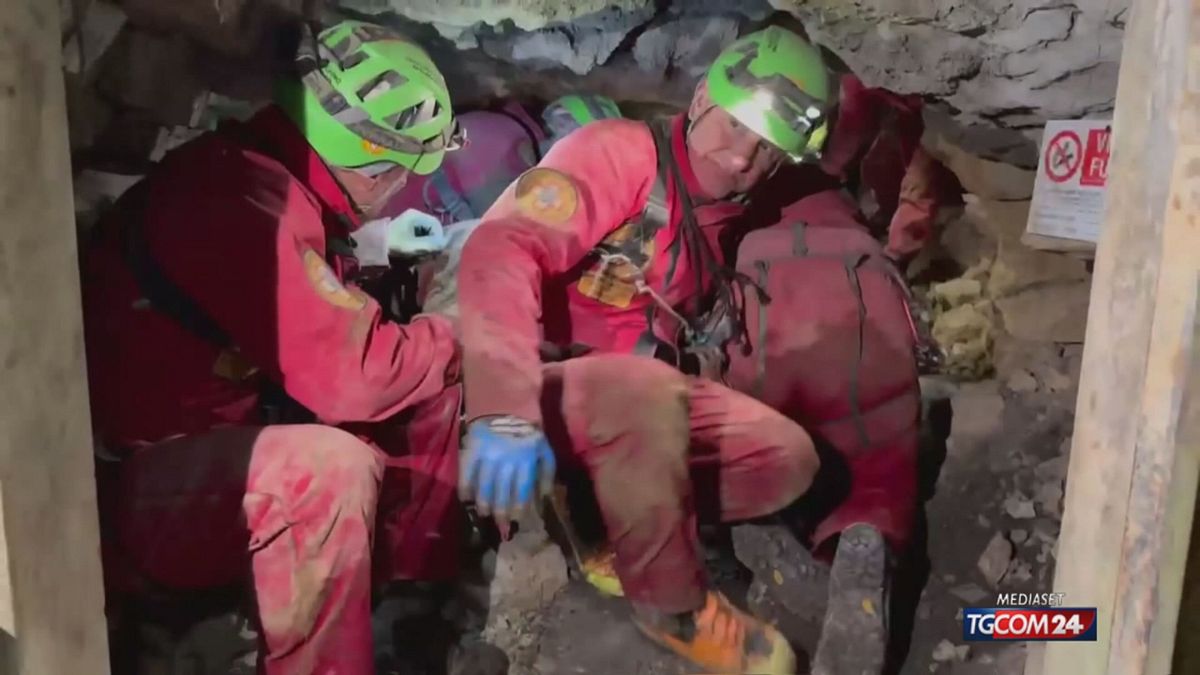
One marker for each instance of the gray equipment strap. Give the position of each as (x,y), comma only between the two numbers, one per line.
(799,241)
(452,201)
(852,263)
(760,370)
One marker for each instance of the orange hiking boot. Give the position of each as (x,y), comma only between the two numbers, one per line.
(722,639)
(599,571)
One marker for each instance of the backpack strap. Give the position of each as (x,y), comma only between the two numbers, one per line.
(454,204)
(167,298)
(162,293)
(799,239)
(656,214)
(852,263)
(760,369)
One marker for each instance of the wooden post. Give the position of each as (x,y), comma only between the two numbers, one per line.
(1131,487)
(51,598)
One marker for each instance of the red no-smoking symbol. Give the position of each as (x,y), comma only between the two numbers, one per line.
(1064,154)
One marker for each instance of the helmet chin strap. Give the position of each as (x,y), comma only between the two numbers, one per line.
(372,173)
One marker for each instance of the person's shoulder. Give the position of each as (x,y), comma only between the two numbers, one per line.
(611,129)
(620,142)
(219,171)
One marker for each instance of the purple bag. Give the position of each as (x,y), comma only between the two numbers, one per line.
(498,147)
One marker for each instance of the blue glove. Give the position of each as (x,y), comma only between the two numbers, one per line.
(508,465)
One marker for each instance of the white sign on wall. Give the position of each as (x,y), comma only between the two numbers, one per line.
(1068,196)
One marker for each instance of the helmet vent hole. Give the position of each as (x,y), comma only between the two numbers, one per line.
(414,115)
(353,59)
(380,85)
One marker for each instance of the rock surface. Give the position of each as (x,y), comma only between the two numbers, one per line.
(978,413)
(993,563)
(1052,313)
(524,14)
(999,65)
(1000,68)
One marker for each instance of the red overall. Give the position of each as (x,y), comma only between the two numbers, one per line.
(240,221)
(659,445)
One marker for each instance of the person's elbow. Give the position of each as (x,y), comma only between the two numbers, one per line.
(397,368)
(364,397)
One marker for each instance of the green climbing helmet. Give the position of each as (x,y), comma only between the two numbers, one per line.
(368,96)
(567,113)
(586,108)
(775,83)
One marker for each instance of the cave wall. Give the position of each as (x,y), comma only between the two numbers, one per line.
(998,68)
(1011,64)
(993,70)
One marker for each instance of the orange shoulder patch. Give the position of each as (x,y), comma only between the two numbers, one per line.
(328,286)
(547,196)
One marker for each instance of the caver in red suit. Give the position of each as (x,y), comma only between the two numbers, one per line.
(609,244)
(532,260)
(555,260)
(875,145)
(214,484)
(874,150)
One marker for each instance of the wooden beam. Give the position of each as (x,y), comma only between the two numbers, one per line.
(51,598)
(1131,486)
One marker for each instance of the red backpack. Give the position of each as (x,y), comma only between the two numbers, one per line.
(833,348)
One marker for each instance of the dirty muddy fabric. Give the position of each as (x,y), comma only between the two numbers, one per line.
(834,350)
(438,287)
(292,505)
(561,257)
(664,450)
(295,506)
(419,526)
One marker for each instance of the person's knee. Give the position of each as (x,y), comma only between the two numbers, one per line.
(336,468)
(624,394)
(794,460)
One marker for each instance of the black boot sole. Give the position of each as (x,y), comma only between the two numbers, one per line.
(854,634)
(795,579)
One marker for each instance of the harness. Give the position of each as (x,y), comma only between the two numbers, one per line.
(717,314)
(167,298)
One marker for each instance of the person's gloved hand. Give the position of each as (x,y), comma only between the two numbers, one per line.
(508,465)
(416,233)
(412,233)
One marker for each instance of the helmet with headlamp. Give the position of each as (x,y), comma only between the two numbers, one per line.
(369,97)
(776,84)
(570,112)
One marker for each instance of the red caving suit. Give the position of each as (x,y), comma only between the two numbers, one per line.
(659,445)
(241,221)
